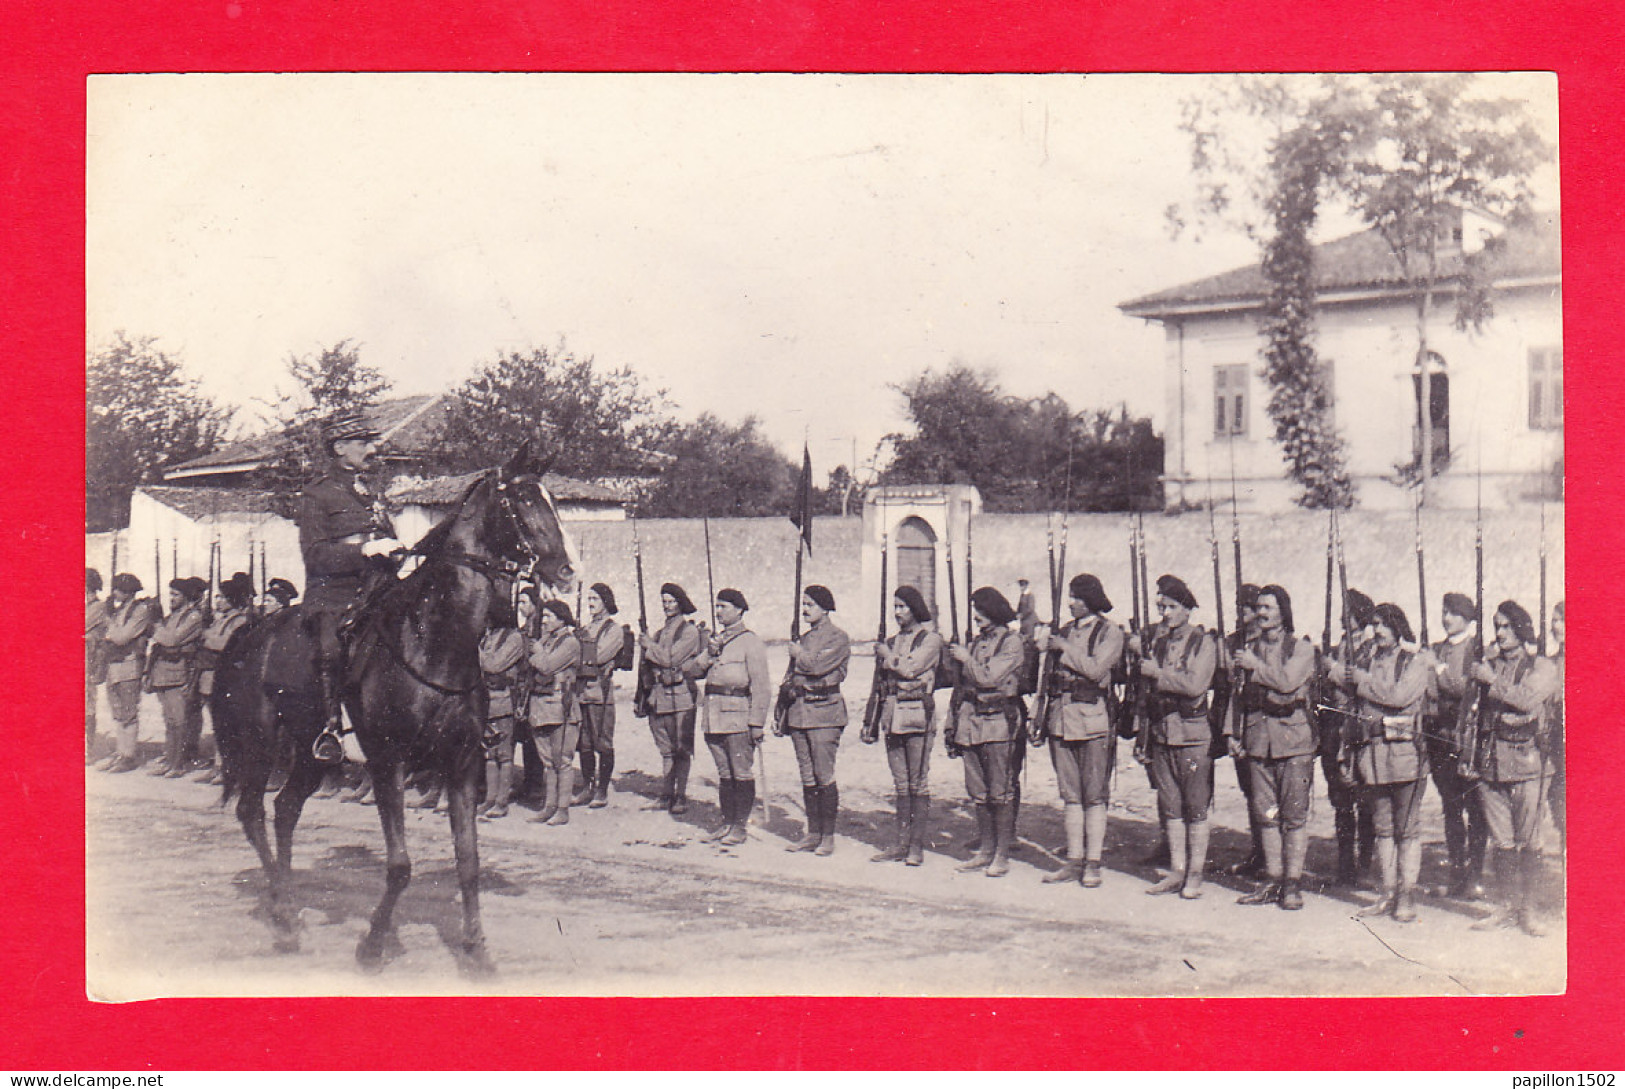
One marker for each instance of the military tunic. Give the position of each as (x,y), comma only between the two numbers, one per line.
(601,644)
(504,654)
(172,674)
(1181,738)
(1081,742)
(817,713)
(95,660)
(1515,769)
(1449,746)
(1390,759)
(987,726)
(1276,732)
(337,516)
(129,626)
(738,696)
(910,704)
(554,717)
(672,652)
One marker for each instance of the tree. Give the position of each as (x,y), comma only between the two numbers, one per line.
(1023,455)
(331,383)
(1406,154)
(141,413)
(592,423)
(720,469)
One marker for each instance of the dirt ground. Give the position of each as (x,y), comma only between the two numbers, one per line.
(625,901)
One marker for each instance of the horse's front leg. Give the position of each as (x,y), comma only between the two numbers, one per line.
(388,784)
(302,782)
(464,784)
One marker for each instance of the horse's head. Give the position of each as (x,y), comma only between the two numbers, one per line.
(531,532)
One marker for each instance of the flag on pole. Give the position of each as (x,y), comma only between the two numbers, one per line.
(801,514)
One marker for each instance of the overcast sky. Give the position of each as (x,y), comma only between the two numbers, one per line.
(785,246)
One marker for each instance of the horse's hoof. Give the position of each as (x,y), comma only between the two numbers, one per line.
(376,950)
(476,963)
(285,943)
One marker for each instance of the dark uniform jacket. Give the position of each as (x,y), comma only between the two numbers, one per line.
(172,660)
(337,515)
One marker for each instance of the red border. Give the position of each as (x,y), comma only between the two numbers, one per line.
(44,1019)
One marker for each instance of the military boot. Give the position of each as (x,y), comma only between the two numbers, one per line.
(984,840)
(1004,838)
(917,830)
(1388,873)
(898,851)
(725,805)
(586,780)
(600,793)
(812,799)
(831,805)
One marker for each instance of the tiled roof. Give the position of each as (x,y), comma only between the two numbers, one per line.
(444,490)
(201,504)
(407,425)
(1358,262)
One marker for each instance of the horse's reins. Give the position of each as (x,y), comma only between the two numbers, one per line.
(494,571)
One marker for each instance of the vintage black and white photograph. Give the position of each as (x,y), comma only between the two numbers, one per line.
(769,534)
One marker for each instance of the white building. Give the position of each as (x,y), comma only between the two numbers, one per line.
(1497,392)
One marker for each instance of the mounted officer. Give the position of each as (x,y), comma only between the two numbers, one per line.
(346,538)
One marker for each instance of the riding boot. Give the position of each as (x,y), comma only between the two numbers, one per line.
(812,799)
(917,830)
(1072,870)
(490,789)
(1195,870)
(503,788)
(1410,869)
(1015,808)
(1365,841)
(1348,871)
(679,783)
(587,778)
(328,748)
(744,797)
(725,806)
(600,793)
(1270,891)
(1004,837)
(663,801)
(550,794)
(1294,847)
(984,839)
(1388,873)
(831,802)
(1504,891)
(898,851)
(1175,880)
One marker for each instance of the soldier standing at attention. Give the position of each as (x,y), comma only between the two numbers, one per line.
(1556,796)
(232,609)
(910,665)
(1279,744)
(95,652)
(554,717)
(1518,683)
(346,539)
(129,625)
(1352,818)
(817,715)
(1246,627)
(988,726)
(1026,610)
(1390,758)
(172,671)
(672,651)
(738,695)
(1179,659)
(1465,838)
(1081,742)
(504,651)
(601,643)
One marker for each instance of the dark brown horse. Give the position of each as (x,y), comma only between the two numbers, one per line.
(413,691)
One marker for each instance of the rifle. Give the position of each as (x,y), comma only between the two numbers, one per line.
(646,669)
(1422,572)
(1228,685)
(113,563)
(157,576)
(1346,720)
(1470,720)
(949,672)
(710,579)
(265,574)
(1051,659)
(1543,569)
(787,695)
(877,684)
(1132,709)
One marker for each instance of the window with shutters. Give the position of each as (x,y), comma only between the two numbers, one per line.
(1546,389)
(1230,382)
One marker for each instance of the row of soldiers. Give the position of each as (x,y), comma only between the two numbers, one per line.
(134,647)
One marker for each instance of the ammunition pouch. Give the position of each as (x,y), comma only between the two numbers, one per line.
(990,701)
(161,653)
(1517,728)
(817,694)
(1263,701)
(1160,705)
(742,690)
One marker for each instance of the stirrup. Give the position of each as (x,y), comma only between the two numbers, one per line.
(327,748)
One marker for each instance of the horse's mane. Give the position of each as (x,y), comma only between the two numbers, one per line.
(434,540)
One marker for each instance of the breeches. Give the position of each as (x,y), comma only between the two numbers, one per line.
(673,734)
(557,745)
(124,699)
(1184,778)
(1512,812)
(990,771)
(909,756)
(324,626)
(179,708)
(1083,769)
(1280,794)
(815,754)
(1396,808)
(734,754)
(597,727)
